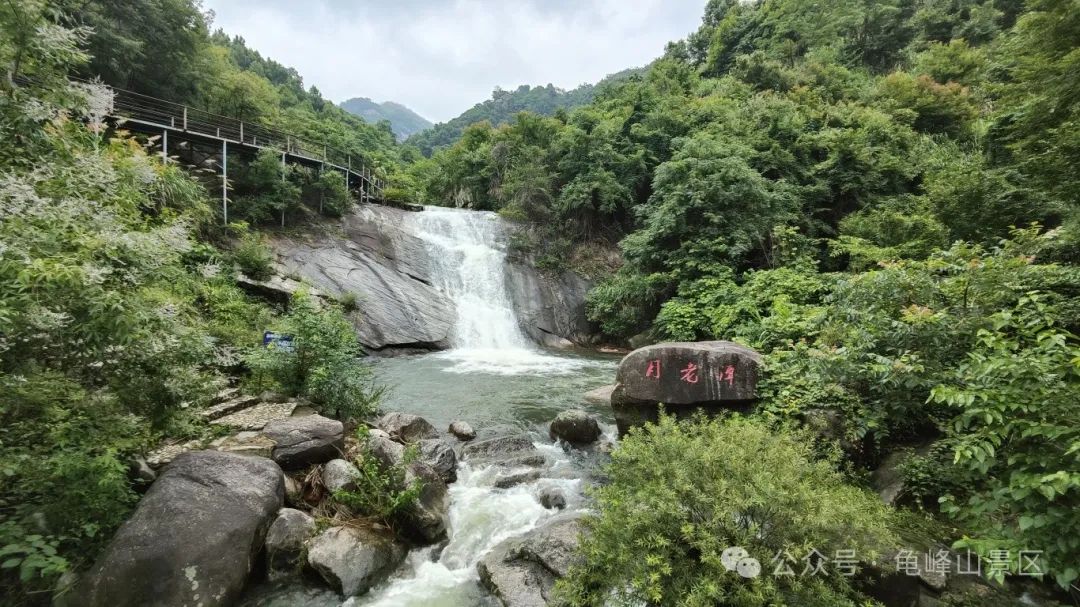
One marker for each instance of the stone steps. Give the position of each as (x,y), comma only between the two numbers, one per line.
(257,416)
(229,406)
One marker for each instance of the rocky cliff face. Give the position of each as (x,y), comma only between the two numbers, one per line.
(371,253)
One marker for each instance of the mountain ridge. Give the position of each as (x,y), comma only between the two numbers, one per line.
(404,122)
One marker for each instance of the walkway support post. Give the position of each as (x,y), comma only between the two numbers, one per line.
(225,181)
(283,203)
(165,146)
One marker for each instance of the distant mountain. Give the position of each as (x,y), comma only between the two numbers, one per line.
(503,105)
(403,121)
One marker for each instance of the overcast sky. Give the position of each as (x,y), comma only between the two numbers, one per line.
(439,57)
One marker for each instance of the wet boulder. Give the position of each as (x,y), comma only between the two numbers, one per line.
(194,536)
(684,376)
(552,498)
(425,520)
(285,542)
(387,452)
(599,396)
(462,431)
(305,440)
(439,454)
(522,571)
(407,428)
(575,427)
(513,479)
(353,559)
(514,450)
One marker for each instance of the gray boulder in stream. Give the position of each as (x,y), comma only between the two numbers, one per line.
(439,454)
(406,427)
(522,571)
(426,519)
(285,542)
(575,427)
(193,538)
(353,559)
(515,450)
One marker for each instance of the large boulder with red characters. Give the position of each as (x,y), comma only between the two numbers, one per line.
(684,377)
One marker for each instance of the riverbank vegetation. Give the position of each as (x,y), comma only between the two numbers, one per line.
(879,196)
(120,317)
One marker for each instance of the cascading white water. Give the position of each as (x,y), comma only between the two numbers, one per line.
(467,252)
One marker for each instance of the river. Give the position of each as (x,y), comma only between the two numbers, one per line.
(494,378)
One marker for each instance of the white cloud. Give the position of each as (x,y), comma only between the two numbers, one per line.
(439,58)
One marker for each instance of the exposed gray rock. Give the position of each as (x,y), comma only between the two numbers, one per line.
(550,307)
(194,536)
(285,542)
(513,451)
(513,479)
(387,452)
(303,441)
(522,572)
(426,519)
(575,427)
(500,445)
(552,498)
(371,253)
(278,289)
(439,454)
(406,427)
(685,376)
(339,474)
(375,432)
(462,430)
(352,560)
(600,396)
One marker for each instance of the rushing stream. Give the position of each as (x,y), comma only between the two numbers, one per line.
(494,378)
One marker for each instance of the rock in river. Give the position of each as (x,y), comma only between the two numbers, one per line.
(305,440)
(194,536)
(439,454)
(684,376)
(426,519)
(407,428)
(575,427)
(285,542)
(462,430)
(351,559)
(522,571)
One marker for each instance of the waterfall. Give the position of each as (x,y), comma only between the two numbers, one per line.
(467,253)
(468,250)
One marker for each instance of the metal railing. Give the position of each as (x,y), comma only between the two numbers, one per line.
(167,114)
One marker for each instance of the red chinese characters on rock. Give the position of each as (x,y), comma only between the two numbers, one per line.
(690,373)
(653,369)
(727,374)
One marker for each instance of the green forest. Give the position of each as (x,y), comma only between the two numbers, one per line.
(880,196)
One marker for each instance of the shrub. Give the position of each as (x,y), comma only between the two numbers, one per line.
(1015,436)
(381,492)
(323,364)
(682,493)
(253,257)
(348,301)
